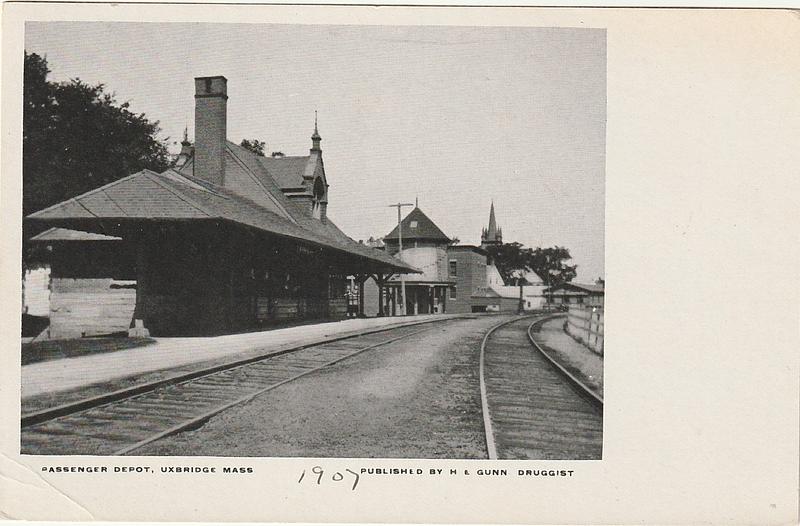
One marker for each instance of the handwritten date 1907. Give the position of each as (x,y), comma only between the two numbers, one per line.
(336,477)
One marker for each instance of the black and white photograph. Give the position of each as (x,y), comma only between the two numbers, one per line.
(347,264)
(319,241)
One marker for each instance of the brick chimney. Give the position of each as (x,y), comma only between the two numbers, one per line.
(210,128)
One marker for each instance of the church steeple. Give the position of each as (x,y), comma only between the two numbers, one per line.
(492,230)
(315,137)
(492,235)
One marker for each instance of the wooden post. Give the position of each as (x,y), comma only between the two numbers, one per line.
(361,313)
(141,279)
(379,281)
(360,280)
(142,243)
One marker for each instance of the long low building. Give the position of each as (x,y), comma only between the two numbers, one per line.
(591,295)
(226,240)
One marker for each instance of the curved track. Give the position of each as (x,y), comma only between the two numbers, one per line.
(124,421)
(532,407)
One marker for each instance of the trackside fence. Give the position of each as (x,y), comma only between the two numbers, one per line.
(585,324)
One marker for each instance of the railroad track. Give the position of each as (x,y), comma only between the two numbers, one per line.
(533,408)
(126,420)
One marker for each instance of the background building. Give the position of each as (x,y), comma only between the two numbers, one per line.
(576,294)
(454,279)
(492,235)
(424,248)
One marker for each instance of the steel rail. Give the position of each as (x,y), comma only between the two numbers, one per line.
(45,415)
(491,448)
(204,417)
(579,387)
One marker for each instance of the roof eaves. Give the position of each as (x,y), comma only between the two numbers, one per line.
(38,213)
(56,234)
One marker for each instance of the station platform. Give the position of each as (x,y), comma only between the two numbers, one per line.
(71,373)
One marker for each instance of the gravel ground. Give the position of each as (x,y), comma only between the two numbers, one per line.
(415,398)
(586,365)
(48,400)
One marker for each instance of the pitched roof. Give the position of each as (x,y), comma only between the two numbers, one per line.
(262,188)
(144,195)
(416,225)
(579,287)
(176,196)
(467,248)
(486,292)
(288,172)
(65,234)
(277,173)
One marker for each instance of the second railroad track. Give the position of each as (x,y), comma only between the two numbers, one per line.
(532,407)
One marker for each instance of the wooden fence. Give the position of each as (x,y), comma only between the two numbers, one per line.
(585,324)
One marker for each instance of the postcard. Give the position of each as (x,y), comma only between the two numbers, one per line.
(349,264)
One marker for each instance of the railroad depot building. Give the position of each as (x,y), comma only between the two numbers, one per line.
(224,241)
(454,278)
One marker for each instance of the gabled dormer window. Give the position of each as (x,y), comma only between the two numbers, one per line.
(319,195)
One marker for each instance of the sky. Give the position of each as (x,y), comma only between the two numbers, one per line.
(456,117)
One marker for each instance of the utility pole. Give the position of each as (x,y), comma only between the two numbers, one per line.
(400,253)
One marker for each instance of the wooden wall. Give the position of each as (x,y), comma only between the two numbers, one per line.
(93,289)
(192,279)
(214,278)
(90,307)
(585,324)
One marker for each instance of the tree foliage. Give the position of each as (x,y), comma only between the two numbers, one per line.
(76,137)
(254,145)
(513,260)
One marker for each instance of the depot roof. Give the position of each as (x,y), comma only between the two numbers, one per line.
(171,195)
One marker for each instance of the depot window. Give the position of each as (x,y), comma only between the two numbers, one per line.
(453,267)
(453,293)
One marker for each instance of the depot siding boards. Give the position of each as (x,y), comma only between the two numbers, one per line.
(89,307)
(224,241)
(92,284)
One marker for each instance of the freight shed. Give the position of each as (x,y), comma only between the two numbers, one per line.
(227,240)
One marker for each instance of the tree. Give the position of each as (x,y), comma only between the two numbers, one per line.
(514,261)
(254,145)
(549,264)
(76,137)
